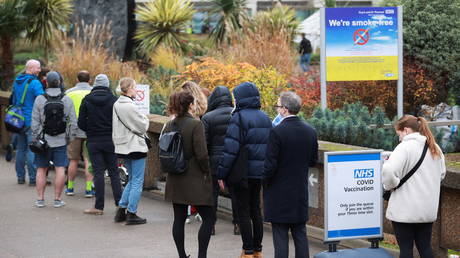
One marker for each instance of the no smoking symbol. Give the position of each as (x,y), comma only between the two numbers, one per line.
(140,95)
(361,36)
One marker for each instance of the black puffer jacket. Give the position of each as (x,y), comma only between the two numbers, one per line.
(216,122)
(254,126)
(95,116)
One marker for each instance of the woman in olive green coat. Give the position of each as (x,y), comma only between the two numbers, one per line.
(194,187)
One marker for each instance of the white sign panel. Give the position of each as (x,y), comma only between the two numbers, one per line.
(142,99)
(353,195)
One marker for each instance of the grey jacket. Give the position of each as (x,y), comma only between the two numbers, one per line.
(76,94)
(38,120)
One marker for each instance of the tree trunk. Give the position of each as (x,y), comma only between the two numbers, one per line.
(7,72)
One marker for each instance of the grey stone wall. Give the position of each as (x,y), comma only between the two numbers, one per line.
(94,11)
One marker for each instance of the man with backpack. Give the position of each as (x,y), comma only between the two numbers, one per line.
(95,119)
(76,150)
(305,51)
(53,123)
(26,88)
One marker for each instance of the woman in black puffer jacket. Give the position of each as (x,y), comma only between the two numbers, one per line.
(216,121)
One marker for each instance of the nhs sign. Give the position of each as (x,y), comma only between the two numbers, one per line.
(364,173)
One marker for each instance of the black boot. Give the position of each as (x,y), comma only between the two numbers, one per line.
(133,219)
(121,215)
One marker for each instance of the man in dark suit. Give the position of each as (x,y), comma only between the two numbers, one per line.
(292,149)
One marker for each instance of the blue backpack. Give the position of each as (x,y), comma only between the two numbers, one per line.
(14,119)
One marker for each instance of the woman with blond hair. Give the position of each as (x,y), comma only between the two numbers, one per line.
(413,206)
(129,133)
(200,100)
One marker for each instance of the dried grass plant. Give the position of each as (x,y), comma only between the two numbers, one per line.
(262,48)
(89,49)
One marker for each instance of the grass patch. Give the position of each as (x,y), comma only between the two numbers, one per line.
(388,245)
(453,160)
(449,251)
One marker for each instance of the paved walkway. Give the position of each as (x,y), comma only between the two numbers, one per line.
(27,231)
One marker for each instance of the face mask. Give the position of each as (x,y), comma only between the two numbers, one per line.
(277,120)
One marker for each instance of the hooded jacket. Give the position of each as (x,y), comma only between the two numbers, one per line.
(216,122)
(96,113)
(255,127)
(34,90)
(417,200)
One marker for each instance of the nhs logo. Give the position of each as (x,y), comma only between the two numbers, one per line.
(364,173)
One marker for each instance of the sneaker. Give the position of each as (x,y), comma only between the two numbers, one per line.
(69,192)
(89,194)
(21,181)
(133,219)
(58,203)
(198,217)
(9,152)
(40,203)
(93,211)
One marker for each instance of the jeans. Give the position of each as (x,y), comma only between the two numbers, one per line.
(305,62)
(281,239)
(102,156)
(407,233)
(23,155)
(248,202)
(132,193)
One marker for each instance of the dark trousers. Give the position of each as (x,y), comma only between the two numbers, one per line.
(103,158)
(250,217)
(281,239)
(408,233)
(215,193)
(204,234)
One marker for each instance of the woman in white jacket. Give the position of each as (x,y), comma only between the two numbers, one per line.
(413,207)
(128,133)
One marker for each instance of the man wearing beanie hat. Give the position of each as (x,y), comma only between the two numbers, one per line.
(95,119)
(54,119)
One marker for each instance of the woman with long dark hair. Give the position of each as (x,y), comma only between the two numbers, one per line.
(194,186)
(413,207)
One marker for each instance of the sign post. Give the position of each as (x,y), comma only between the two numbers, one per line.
(361,44)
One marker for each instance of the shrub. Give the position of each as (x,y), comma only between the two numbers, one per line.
(167,58)
(350,125)
(211,73)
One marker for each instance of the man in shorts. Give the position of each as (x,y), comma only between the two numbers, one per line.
(76,150)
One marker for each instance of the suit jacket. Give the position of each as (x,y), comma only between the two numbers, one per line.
(292,149)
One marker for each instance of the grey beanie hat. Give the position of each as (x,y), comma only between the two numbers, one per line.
(53,79)
(101,80)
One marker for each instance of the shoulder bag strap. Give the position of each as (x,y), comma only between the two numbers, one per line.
(116,113)
(25,92)
(413,170)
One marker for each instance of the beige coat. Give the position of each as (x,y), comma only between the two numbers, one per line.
(194,187)
(124,140)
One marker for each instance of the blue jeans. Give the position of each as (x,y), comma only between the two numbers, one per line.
(132,193)
(305,62)
(23,155)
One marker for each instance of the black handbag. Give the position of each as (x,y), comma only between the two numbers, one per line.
(39,145)
(387,193)
(147,140)
(239,169)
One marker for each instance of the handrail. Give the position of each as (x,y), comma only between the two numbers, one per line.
(430,123)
